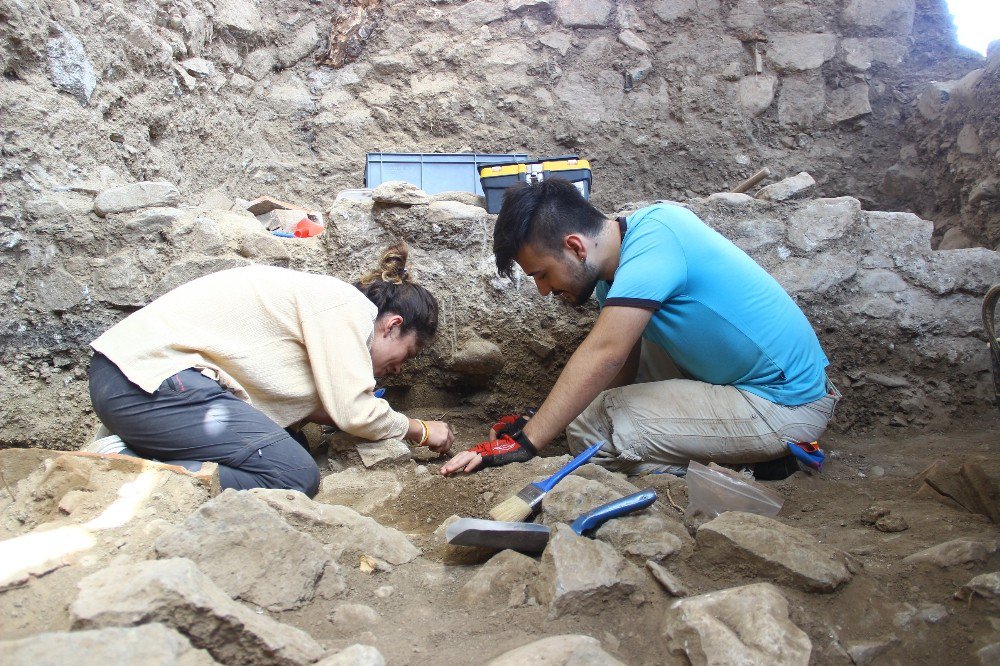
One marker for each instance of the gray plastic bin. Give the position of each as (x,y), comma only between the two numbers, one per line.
(434,172)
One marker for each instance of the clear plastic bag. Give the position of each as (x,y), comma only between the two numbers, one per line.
(711,493)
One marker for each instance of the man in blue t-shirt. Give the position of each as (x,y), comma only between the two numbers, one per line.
(698,353)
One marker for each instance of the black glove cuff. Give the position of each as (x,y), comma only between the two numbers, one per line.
(525,443)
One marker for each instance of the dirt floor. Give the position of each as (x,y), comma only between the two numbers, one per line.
(908,612)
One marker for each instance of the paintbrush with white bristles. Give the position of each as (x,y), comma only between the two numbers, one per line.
(520,506)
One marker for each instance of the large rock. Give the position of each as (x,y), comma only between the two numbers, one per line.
(399,193)
(787,188)
(347,531)
(385,451)
(742,625)
(792,52)
(70,67)
(59,291)
(249,551)
(135,196)
(506,579)
(646,536)
(671,10)
(891,16)
(567,650)
(821,221)
(584,576)
(147,644)
(360,489)
(953,553)
(591,14)
(766,548)
(175,593)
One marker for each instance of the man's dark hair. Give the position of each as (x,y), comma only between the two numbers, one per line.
(542,215)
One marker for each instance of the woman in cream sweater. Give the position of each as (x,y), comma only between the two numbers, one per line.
(218,368)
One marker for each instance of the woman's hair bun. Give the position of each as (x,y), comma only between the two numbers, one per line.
(391,266)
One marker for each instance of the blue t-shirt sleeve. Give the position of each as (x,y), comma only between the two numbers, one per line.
(652,268)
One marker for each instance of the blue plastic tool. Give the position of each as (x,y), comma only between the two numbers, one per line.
(597,517)
(379,392)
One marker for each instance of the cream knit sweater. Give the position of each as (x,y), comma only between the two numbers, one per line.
(287,342)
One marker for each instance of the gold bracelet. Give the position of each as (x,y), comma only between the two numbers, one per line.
(426,435)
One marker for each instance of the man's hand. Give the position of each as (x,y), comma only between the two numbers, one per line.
(509,424)
(501,451)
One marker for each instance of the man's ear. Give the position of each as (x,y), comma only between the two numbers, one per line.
(576,244)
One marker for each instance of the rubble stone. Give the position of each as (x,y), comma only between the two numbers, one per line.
(801,101)
(894,16)
(792,52)
(135,196)
(891,524)
(145,644)
(769,549)
(863,653)
(633,41)
(384,451)
(848,103)
(669,582)
(985,585)
(248,550)
(361,490)
(566,650)
(574,496)
(646,536)
(478,358)
(241,17)
(581,575)
(59,291)
(399,193)
(756,93)
(594,14)
(821,221)
(299,45)
(955,239)
(474,15)
(787,188)
(347,531)
(354,655)
(260,63)
(70,67)
(354,618)
(175,593)
(744,625)
(154,219)
(505,579)
(671,10)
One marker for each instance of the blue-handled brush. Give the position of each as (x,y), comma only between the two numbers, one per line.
(597,517)
(520,506)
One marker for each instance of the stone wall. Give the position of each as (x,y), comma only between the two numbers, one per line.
(668,98)
(899,321)
(949,168)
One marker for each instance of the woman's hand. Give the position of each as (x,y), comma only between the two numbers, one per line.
(439,436)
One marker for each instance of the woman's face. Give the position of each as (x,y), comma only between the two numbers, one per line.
(391,349)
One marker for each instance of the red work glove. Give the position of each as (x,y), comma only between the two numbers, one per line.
(511,423)
(506,449)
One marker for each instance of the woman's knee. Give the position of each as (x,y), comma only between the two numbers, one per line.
(305,480)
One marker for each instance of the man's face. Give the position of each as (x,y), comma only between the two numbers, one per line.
(562,274)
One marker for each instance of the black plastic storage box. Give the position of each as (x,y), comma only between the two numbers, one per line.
(496,178)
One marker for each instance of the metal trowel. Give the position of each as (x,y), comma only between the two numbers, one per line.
(532,538)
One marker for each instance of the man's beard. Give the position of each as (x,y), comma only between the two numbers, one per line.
(586,278)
